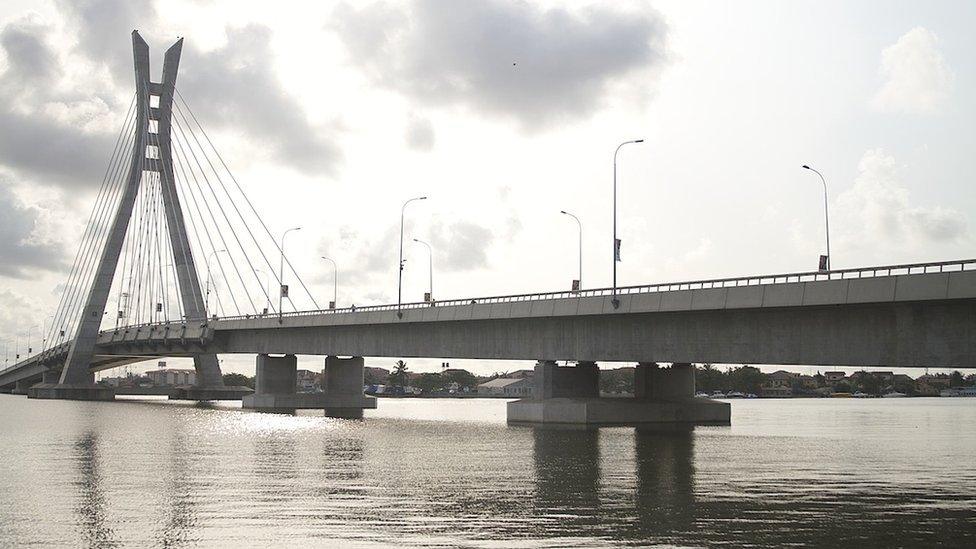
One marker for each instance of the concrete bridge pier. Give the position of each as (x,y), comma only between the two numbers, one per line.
(274,389)
(83,388)
(22,386)
(274,384)
(342,383)
(570,395)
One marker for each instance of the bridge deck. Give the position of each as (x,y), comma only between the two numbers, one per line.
(952,281)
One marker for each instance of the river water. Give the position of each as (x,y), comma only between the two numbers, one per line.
(451,473)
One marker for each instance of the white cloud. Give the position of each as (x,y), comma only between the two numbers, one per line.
(917,78)
(538,66)
(879,208)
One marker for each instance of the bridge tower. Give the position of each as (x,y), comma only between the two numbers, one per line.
(152,152)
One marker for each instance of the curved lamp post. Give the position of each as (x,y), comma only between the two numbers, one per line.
(335,281)
(579,224)
(281,270)
(826,216)
(616,242)
(400,269)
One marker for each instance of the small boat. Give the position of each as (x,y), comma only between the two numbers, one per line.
(894,394)
(718,394)
(735,394)
(859,394)
(752,395)
(700,394)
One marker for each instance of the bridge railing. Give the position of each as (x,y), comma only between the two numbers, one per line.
(786,278)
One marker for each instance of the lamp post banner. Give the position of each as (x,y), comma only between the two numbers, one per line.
(616,249)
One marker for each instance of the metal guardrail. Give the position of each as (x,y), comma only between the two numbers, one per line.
(788,278)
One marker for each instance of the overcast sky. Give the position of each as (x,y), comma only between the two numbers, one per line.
(331,114)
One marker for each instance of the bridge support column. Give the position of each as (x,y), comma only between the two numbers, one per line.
(274,390)
(554,381)
(570,395)
(53,376)
(342,383)
(274,384)
(209,384)
(22,386)
(653,382)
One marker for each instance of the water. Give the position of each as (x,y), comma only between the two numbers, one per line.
(451,473)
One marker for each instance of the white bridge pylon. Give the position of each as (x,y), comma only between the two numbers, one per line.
(167,203)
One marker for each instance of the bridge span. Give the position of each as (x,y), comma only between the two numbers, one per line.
(920,315)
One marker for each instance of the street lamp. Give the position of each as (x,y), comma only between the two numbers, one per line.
(580,225)
(266,290)
(400,272)
(430,269)
(209,257)
(29,328)
(616,241)
(826,217)
(335,282)
(281,271)
(45,329)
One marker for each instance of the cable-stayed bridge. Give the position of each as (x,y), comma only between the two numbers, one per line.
(169,203)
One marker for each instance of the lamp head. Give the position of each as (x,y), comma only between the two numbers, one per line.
(562,211)
(638,141)
(805,167)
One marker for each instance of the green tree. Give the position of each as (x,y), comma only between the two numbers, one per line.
(430,382)
(463,378)
(620,380)
(709,379)
(820,379)
(842,387)
(370,377)
(956,379)
(399,376)
(746,379)
(906,386)
(869,383)
(238,380)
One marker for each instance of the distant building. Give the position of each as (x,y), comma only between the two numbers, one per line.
(937,381)
(834,377)
(507,387)
(172,376)
(112,381)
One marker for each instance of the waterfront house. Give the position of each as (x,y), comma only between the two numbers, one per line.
(507,387)
(834,376)
(172,376)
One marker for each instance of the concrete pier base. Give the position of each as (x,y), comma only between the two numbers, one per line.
(565,395)
(68,391)
(222,392)
(22,387)
(274,389)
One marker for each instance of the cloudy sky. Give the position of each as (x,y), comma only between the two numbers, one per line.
(331,114)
